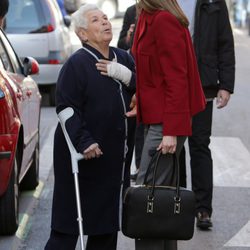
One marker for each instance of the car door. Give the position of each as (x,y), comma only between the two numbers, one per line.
(17,81)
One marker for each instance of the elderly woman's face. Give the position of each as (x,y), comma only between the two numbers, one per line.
(99,28)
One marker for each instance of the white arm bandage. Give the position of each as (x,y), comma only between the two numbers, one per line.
(119,72)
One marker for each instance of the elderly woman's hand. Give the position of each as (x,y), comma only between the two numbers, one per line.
(114,70)
(102,66)
(93,151)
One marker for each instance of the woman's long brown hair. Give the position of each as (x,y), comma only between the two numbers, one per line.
(169,5)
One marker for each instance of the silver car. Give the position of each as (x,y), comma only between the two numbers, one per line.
(37,28)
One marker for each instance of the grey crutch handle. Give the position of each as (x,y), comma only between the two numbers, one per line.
(63,116)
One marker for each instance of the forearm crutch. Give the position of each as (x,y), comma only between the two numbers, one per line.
(63,116)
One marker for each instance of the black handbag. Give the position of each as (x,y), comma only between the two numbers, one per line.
(160,212)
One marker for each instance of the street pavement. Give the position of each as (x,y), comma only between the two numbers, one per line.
(230,147)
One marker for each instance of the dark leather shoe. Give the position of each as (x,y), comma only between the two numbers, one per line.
(203,221)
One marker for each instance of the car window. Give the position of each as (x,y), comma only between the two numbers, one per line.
(15,64)
(25,16)
(5,58)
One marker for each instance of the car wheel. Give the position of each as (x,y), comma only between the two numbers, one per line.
(9,204)
(31,179)
(52,95)
(109,7)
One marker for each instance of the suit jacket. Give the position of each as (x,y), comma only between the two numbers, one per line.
(168,85)
(214,46)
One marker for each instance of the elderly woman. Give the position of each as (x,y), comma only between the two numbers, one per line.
(97,82)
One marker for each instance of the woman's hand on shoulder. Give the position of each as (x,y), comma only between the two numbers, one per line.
(114,70)
(168,144)
(93,151)
(102,66)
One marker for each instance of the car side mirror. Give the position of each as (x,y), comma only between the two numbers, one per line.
(67,20)
(30,66)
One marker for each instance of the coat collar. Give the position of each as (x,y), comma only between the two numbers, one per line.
(210,5)
(149,17)
(145,19)
(98,54)
(208,1)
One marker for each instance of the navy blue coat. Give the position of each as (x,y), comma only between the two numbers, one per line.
(98,117)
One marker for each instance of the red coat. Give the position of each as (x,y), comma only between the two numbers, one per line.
(168,85)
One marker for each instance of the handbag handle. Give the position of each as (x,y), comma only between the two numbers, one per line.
(177,197)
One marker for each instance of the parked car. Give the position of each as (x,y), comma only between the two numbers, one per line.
(19,132)
(37,28)
(112,8)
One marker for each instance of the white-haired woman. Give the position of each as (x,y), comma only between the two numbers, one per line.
(98,82)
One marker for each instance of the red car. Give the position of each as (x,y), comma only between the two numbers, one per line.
(20,102)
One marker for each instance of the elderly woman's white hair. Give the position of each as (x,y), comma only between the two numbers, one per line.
(79,17)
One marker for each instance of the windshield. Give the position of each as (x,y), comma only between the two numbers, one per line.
(25,16)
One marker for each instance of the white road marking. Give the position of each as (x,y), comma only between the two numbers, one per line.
(241,239)
(237,31)
(22,229)
(38,190)
(231,162)
(232,169)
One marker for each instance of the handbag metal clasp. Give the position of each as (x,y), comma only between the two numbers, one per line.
(150,204)
(177,205)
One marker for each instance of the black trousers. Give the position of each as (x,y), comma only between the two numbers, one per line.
(201,161)
(60,241)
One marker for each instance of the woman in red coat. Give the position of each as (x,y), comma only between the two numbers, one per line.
(169,90)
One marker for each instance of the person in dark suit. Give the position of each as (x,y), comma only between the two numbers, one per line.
(98,82)
(126,35)
(4,6)
(214,48)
